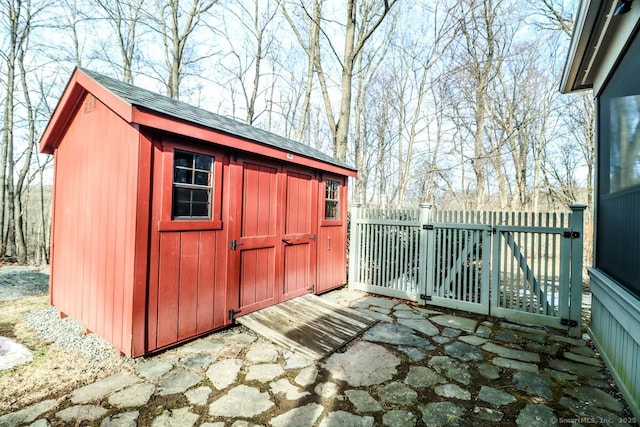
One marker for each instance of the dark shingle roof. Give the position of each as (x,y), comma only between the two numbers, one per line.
(148,100)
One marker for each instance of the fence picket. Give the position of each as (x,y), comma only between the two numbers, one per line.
(529,263)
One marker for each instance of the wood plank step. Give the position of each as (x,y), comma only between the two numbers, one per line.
(308,325)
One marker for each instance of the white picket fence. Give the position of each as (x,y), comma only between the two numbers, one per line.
(522,266)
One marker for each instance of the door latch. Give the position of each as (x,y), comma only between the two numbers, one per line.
(234,244)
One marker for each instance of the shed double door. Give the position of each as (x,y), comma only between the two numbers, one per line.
(272,235)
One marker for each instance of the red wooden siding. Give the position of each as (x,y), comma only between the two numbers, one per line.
(185,305)
(187,273)
(94,211)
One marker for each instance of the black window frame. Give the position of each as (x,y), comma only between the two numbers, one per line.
(192,173)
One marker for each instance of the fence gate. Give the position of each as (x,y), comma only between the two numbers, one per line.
(457,271)
(520,266)
(384,251)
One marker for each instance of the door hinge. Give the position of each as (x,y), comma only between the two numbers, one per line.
(572,234)
(234,244)
(232,314)
(569,322)
(427,227)
(425,297)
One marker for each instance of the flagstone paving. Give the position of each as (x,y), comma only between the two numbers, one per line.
(415,367)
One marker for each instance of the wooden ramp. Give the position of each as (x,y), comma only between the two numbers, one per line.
(308,325)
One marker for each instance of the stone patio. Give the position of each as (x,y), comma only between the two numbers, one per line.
(415,367)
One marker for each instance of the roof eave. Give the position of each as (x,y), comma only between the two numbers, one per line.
(61,115)
(159,121)
(78,85)
(593,19)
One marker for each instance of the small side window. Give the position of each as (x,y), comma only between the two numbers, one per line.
(331,199)
(192,185)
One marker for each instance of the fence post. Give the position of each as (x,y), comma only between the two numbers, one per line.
(423,254)
(575,310)
(354,244)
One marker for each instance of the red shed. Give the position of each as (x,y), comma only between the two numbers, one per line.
(169,221)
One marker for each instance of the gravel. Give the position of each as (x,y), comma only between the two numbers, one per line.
(69,334)
(18,284)
(20,281)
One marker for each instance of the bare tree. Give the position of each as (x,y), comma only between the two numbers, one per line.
(556,17)
(577,110)
(124,18)
(311,47)
(17,17)
(28,152)
(71,32)
(368,66)
(11,13)
(442,28)
(175,25)
(247,61)
(20,18)
(363,18)
(481,51)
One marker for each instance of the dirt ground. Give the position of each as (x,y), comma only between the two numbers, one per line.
(53,372)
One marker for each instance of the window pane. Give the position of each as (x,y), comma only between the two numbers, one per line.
(204,162)
(331,209)
(200,196)
(183,159)
(181,209)
(182,176)
(202,178)
(181,195)
(332,189)
(625,134)
(200,209)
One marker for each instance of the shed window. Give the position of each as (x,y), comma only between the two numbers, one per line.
(192,185)
(332,194)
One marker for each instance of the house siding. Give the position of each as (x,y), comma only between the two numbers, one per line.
(615,330)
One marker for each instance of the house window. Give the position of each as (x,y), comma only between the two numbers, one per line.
(192,185)
(331,198)
(624,142)
(618,223)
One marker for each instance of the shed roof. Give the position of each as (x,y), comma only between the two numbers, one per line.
(146,100)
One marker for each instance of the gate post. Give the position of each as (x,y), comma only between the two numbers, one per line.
(423,253)
(354,243)
(576,224)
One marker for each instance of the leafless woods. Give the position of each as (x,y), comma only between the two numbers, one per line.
(448,102)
